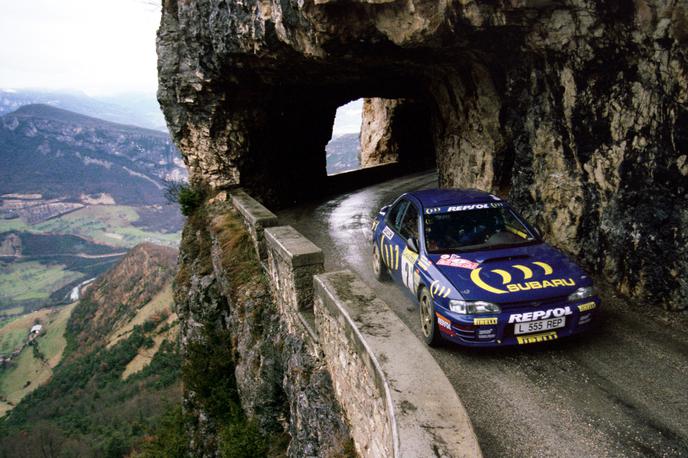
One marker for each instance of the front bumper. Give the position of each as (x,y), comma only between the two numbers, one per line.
(498,330)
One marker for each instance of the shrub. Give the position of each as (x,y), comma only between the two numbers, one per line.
(242,439)
(168,439)
(189,197)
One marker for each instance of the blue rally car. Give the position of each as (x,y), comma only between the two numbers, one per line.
(481,274)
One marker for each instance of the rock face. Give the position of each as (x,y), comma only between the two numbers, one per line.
(234,344)
(378,143)
(575,110)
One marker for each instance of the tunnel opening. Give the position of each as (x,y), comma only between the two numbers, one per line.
(343,151)
(378,131)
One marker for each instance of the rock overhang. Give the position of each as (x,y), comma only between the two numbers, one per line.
(573,110)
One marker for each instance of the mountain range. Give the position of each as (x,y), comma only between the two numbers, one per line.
(66,155)
(139,109)
(342,154)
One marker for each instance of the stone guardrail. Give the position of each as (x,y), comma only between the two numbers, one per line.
(398,401)
(256,217)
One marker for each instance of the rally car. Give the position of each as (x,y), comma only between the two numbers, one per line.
(481,274)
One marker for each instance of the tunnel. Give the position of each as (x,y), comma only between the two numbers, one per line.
(573,113)
(286,158)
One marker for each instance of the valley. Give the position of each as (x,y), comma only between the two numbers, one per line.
(76,193)
(40,263)
(102,370)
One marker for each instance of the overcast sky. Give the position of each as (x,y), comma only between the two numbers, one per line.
(101,47)
(348,119)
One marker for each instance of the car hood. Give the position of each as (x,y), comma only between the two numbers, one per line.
(526,273)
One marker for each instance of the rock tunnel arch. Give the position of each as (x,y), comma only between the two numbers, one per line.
(288,157)
(573,110)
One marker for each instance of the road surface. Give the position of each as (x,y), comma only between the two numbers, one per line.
(621,390)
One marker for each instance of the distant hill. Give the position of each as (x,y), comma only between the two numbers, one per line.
(342,153)
(136,109)
(62,154)
(119,371)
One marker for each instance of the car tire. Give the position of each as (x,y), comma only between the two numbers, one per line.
(379,268)
(428,320)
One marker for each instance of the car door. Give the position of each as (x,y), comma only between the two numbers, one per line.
(391,246)
(403,222)
(409,230)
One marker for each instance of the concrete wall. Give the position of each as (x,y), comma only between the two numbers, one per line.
(398,401)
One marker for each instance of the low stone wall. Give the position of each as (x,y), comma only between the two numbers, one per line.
(398,401)
(256,217)
(292,261)
(397,398)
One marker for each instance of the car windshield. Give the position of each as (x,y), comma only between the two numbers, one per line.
(474,229)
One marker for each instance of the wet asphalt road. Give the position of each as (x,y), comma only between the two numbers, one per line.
(620,390)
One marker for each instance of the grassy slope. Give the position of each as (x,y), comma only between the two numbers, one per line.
(161,303)
(87,408)
(11,311)
(28,372)
(166,331)
(108,224)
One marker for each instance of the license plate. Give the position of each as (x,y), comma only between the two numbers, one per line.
(537,326)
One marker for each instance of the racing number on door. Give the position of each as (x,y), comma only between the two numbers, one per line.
(408,260)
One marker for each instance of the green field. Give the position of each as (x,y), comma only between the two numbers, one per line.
(11,311)
(109,224)
(31,283)
(16,224)
(26,372)
(12,339)
(31,280)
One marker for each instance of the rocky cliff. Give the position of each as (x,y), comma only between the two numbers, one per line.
(576,110)
(235,345)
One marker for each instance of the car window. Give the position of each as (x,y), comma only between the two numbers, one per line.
(409,224)
(474,229)
(396,214)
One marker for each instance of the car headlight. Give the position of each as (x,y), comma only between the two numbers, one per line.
(581,293)
(473,307)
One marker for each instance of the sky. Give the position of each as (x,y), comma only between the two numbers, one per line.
(101,47)
(348,118)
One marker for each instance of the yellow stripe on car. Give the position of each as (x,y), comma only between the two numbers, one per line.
(546,267)
(506,276)
(527,273)
(475,276)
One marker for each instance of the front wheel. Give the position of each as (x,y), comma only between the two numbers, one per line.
(379,268)
(428,321)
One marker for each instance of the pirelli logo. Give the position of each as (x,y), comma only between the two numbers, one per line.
(587,306)
(483,321)
(535,338)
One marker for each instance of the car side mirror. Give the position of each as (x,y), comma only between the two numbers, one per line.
(412,244)
(384,209)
